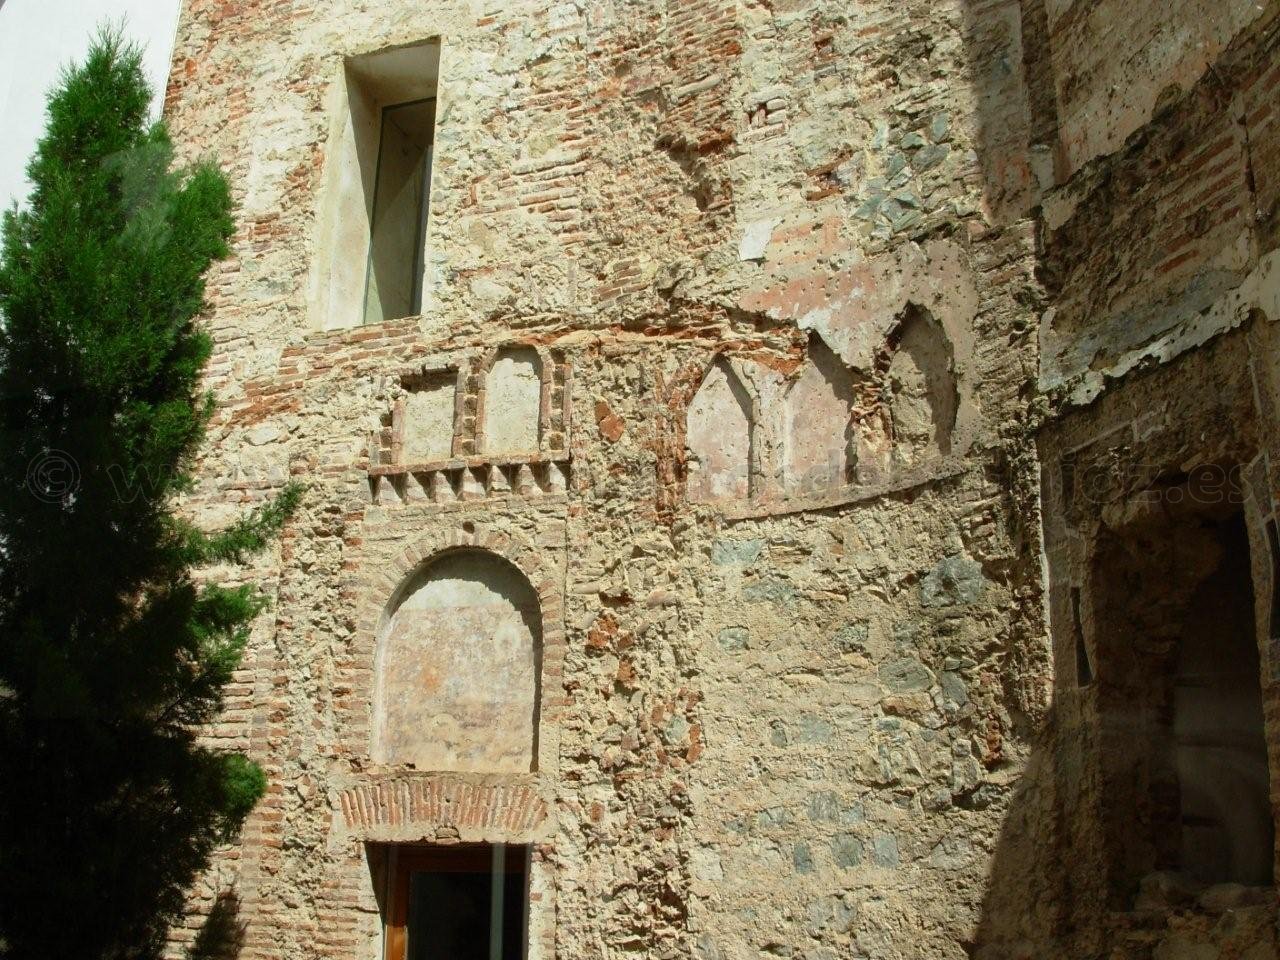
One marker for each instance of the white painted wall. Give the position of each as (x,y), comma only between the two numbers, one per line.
(39,37)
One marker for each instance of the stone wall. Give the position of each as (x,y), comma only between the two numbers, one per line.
(746,328)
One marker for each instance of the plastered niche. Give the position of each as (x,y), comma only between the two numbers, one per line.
(816,424)
(901,327)
(921,396)
(458,669)
(719,437)
(431,445)
(427,418)
(765,429)
(911,409)
(512,402)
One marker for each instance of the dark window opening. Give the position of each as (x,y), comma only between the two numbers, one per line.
(463,902)
(401,202)
(1084,669)
(1273,543)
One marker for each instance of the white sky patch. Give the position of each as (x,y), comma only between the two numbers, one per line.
(38,38)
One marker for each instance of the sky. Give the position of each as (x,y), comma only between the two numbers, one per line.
(38,38)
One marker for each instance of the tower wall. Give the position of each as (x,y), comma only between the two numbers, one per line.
(830,710)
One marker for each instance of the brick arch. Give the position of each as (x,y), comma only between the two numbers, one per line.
(385,589)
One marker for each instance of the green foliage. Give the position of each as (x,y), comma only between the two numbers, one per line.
(112,649)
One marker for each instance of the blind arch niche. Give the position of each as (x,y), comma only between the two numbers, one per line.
(459,668)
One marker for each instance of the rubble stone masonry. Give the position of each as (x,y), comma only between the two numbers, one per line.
(803,393)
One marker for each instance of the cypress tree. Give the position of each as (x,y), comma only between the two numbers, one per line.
(114,646)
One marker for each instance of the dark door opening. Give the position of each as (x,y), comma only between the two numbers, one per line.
(463,902)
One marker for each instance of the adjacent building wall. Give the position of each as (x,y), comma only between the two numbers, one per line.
(1157,375)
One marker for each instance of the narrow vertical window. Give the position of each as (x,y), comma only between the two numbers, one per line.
(1084,669)
(1273,545)
(463,902)
(372,223)
(401,200)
